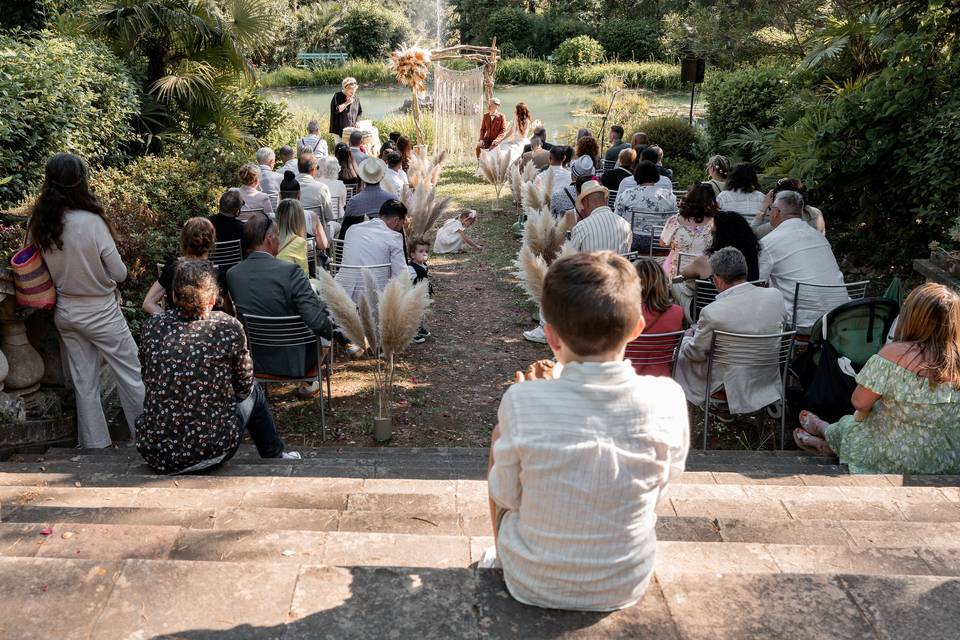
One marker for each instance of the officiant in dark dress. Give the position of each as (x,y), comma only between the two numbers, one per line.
(345,109)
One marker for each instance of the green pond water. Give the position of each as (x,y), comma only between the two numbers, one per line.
(553,104)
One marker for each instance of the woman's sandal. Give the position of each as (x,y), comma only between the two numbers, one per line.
(804,420)
(802,440)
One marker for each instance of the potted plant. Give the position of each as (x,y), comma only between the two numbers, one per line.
(495,169)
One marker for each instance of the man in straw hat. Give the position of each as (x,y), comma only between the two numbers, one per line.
(370,199)
(345,109)
(599,228)
(493,126)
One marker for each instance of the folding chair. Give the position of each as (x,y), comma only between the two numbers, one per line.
(755,352)
(226,254)
(336,214)
(609,165)
(289,332)
(655,250)
(246,214)
(823,298)
(335,251)
(350,276)
(274,199)
(612,200)
(704,292)
(654,350)
(684,259)
(351,191)
(632,256)
(312,256)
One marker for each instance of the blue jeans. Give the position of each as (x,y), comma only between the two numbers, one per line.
(256,418)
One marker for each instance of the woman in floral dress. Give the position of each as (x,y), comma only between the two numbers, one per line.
(690,230)
(907,399)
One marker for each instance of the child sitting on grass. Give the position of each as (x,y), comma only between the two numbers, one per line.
(419,249)
(582,453)
(453,234)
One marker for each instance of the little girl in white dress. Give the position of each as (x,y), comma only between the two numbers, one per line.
(453,234)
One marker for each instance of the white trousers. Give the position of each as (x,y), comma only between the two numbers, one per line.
(92,329)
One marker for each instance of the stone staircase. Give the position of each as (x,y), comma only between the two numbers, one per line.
(380,543)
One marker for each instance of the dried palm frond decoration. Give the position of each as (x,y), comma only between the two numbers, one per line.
(424,208)
(425,170)
(411,66)
(385,322)
(495,169)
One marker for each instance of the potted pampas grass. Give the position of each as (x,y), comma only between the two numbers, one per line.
(385,322)
(424,208)
(535,194)
(495,169)
(424,169)
(544,241)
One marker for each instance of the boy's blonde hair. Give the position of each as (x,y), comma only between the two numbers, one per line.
(591,301)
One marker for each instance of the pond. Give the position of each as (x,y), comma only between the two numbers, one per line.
(553,104)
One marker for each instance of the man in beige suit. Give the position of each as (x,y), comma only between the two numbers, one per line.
(740,307)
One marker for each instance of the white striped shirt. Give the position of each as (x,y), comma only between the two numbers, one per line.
(602,230)
(580,464)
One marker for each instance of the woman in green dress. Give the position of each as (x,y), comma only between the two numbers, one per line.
(907,399)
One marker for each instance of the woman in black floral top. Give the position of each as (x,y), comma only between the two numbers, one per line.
(200,391)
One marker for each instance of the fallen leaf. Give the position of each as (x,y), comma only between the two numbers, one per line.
(66,535)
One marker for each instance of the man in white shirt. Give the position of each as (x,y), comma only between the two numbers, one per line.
(740,307)
(269,180)
(561,176)
(288,162)
(394,178)
(599,228)
(583,452)
(314,195)
(313,142)
(377,241)
(796,252)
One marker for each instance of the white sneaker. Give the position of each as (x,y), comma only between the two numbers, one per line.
(291,455)
(535,335)
(489,559)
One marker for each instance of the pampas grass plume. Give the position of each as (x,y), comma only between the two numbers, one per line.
(402,306)
(532,270)
(341,308)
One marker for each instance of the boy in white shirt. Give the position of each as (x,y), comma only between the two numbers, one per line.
(581,454)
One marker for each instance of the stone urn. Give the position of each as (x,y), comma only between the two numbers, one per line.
(24,364)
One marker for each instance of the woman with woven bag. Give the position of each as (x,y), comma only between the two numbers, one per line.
(69,227)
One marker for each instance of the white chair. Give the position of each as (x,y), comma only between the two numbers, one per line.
(335,213)
(246,214)
(274,199)
(652,349)
(226,254)
(823,298)
(289,332)
(311,256)
(350,276)
(335,250)
(630,255)
(704,292)
(612,200)
(609,165)
(772,351)
(351,191)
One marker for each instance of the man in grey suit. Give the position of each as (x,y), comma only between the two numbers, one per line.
(265,286)
(356,139)
(740,307)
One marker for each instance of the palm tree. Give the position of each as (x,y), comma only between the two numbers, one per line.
(856,41)
(193,48)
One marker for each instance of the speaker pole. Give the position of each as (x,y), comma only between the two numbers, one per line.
(693,92)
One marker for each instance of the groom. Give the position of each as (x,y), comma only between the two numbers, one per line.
(492,127)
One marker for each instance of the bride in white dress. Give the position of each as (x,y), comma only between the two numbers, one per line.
(518,133)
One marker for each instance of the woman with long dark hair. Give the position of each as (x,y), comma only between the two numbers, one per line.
(70,228)
(348,167)
(743,193)
(690,230)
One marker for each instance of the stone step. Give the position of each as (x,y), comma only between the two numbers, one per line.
(189,599)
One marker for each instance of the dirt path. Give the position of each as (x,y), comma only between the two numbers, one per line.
(448,388)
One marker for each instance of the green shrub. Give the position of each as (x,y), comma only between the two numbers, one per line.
(260,116)
(365,73)
(513,28)
(59,94)
(685,171)
(745,97)
(369,31)
(578,52)
(404,124)
(636,75)
(555,28)
(630,39)
(676,137)
(525,71)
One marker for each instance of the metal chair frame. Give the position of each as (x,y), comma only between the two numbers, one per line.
(381,273)
(286,332)
(630,255)
(609,165)
(742,350)
(226,254)
(351,191)
(704,292)
(274,199)
(245,214)
(612,199)
(854,291)
(335,251)
(649,348)
(335,209)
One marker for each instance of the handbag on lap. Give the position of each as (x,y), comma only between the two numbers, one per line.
(32,279)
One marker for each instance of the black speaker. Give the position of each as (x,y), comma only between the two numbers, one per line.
(692,69)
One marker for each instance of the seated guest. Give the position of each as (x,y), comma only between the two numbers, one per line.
(226,222)
(599,228)
(644,205)
(328,175)
(196,240)
(315,198)
(540,132)
(313,141)
(293,234)
(742,308)
(617,144)
(587,146)
(907,399)
(356,141)
(564,196)
(289,187)
(404,148)
(262,285)
(539,156)
(729,230)
(796,252)
(639,141)
(654,155)
(394,178)
(743,193)
(660,315)
(393,136)
(367,202)
(348,168)
(377,241)
(625,163)
(718,168)
(253,198)
(200,391)
(580,458)
(269,180)
(690,230)
(560,174)
(287,159)
(811,215)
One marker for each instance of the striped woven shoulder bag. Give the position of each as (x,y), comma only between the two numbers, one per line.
(32,278)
